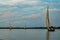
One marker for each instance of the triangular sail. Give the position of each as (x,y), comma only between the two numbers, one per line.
(47,18)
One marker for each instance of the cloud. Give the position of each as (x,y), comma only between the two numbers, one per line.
(33,8)
(33,15)
(10,2)
(28,2)
(6,15)
(50,3)
(54,9)
(14,2)
(16,22)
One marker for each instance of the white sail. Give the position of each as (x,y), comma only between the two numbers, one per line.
(47,18)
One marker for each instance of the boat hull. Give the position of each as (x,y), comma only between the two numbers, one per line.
(51,29)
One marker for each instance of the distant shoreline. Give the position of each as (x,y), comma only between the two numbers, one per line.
(27,28)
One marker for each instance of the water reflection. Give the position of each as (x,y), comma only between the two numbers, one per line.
(47,35)
(28,34)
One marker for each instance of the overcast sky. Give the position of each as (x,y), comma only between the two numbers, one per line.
(31,12)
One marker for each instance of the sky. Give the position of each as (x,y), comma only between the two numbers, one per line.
(29,12)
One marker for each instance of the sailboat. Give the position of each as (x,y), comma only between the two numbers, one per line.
(25,27)
(50,28)
(10,27)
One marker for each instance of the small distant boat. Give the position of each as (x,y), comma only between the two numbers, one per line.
(25,27)
(48,23)
(10,27)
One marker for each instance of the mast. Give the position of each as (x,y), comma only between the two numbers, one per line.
(25,26)
(47,18)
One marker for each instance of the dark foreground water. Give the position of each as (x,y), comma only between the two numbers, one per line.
(29,34)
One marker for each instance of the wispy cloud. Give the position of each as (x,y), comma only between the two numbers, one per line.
(16,22)
(13,2)
(33,8)
(54,9)
(33,15)
(10,2)
(6,15)
(50,3)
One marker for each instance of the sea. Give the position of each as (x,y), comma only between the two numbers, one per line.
(29,34)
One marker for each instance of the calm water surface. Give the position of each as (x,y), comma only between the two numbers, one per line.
(29,34)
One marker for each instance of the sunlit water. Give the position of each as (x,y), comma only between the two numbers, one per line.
(29,34)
